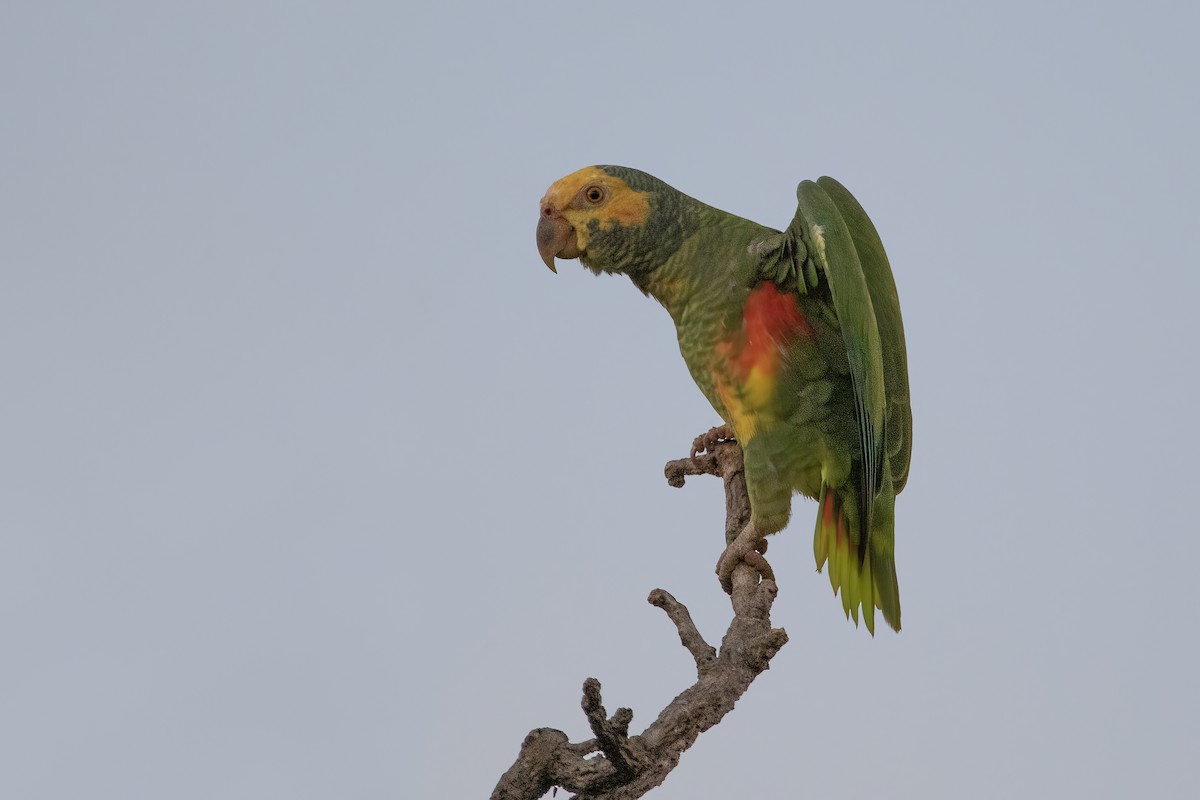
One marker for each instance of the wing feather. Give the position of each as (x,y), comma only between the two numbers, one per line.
(831,244)
(882,286)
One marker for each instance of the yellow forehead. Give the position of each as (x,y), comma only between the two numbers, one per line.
(624,206)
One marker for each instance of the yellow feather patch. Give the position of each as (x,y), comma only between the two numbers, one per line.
(624,206)
(761,385)
(744,422)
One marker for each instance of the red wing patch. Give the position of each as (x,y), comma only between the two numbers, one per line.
(771,321)
(750,358)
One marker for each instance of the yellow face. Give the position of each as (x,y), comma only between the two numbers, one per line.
(591,193)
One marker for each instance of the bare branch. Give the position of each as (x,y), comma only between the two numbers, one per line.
(612,736)
(703,652)
(629,766)
(703,464)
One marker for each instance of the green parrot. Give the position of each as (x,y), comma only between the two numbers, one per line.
(794,337)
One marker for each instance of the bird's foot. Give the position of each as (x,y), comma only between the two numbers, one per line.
(749,547)
(705,442)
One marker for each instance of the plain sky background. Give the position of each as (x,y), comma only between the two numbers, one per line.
(316,484)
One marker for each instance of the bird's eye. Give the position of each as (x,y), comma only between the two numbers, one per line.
(593,194)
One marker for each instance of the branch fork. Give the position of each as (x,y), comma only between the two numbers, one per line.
(629,766)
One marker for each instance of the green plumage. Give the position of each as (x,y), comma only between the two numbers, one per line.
(796,339)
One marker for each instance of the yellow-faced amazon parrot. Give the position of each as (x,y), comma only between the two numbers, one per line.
(794,337)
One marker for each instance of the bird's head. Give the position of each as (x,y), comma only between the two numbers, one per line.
(613,219)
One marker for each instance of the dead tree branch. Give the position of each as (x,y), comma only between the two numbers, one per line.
(627,766)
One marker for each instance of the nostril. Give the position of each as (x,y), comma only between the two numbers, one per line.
(546,212)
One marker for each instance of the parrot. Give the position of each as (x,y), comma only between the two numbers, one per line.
(794,337)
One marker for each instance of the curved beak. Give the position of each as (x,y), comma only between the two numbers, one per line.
(555,237)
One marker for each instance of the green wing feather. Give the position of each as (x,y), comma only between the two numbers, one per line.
(878,274)
(835,237)
(831,245)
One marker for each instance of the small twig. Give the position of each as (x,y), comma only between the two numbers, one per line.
(702,464)
(689,635)
(612,736)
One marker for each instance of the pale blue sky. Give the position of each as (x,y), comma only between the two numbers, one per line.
(315,482)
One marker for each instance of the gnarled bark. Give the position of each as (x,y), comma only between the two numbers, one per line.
(629,766)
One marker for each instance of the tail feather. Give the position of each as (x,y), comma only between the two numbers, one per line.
(865,577)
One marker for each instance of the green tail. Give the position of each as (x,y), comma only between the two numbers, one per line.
(867,580)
